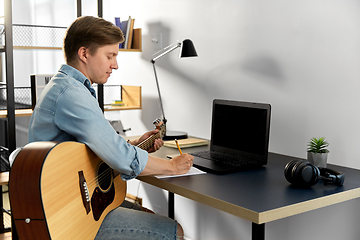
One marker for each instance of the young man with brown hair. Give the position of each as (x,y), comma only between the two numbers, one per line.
(67,110)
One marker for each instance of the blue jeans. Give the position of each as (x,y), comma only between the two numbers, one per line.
(127,224)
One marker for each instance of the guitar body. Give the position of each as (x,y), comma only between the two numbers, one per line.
(57,191)
(63,190)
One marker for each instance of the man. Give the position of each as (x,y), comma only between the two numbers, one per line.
(67,110)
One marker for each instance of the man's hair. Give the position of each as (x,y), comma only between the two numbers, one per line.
(89,32)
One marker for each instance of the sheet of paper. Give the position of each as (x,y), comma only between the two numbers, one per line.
(192,171)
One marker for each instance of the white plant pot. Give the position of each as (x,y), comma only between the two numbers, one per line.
(318,159)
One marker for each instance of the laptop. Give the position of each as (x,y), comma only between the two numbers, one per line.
(239,137)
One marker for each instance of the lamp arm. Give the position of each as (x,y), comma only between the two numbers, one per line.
(158,88)
(166,51)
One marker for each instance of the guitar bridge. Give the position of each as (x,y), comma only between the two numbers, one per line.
(84,192)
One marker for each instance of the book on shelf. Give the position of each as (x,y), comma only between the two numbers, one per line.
(117,103)
(127,28)
(123,25)
(130,34)
(126,31)
(119,24)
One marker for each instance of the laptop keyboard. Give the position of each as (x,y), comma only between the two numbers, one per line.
(223,158)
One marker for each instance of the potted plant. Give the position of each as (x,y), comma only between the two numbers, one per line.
(318,152)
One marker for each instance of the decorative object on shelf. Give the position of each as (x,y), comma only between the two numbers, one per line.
(4,159)
(318,152)
(38,36)
(38,83)
(187,50)
(2,36)
(22,97)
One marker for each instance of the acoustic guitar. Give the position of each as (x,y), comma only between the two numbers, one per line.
(63,190)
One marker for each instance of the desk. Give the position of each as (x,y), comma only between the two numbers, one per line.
(4,178)
(261,195)
(18,113)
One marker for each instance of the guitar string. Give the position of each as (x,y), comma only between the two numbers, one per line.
(146,145)
(99,179)
(147,142)
(114,181)
(92,182)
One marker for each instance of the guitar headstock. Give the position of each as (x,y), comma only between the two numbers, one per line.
(160,125)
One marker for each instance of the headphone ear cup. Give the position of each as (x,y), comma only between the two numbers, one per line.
(302,173)
(297,172)
(288,170)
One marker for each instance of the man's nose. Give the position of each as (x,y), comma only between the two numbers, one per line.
(114,64)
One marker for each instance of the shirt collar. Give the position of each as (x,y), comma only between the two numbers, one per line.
(78,76)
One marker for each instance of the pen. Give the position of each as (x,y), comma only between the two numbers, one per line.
(177,144)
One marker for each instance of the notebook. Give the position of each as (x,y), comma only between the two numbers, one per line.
(239,137)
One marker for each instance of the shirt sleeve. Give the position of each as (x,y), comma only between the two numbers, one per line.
(78,114)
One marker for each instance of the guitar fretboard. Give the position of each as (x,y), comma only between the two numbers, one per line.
(149,142)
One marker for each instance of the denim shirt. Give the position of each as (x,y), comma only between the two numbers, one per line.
(67,110)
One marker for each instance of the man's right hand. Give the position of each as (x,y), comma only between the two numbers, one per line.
(182,163)
(178,165)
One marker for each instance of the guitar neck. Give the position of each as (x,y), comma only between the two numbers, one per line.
(148,143)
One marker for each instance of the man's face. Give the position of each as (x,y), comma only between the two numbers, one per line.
(101,64)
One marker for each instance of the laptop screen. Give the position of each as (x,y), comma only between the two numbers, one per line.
(241,128)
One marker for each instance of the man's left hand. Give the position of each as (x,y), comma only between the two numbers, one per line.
(157,144)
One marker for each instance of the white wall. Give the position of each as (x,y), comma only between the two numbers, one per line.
(302,57)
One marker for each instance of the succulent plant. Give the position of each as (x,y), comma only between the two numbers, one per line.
(318,145)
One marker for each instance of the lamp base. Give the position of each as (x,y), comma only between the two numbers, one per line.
(172,135)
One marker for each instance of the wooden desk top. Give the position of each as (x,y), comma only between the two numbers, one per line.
(4,178)
(261,195)
(18,113)
(28,112)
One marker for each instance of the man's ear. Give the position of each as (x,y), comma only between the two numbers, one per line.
(83,54)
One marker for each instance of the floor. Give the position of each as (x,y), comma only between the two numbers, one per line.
(6,205)
(7,219)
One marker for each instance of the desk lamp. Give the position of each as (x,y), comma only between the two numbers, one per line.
(187,50)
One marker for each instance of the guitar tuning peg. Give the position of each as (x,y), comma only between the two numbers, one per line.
(157,121)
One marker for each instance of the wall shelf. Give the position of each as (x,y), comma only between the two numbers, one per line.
(131,96)
(51,38)
(136,45)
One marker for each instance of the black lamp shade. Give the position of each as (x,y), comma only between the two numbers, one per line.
(187,49)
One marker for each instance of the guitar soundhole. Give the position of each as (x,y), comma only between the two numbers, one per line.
(105,177)
(104,193)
